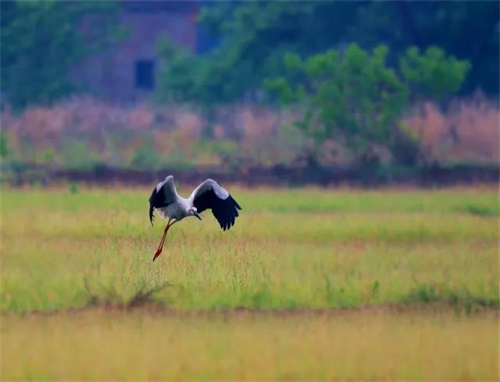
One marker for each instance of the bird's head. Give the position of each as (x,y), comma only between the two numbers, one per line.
(194,212)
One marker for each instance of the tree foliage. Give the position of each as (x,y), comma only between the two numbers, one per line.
(353,96)
(41,42)
(469,30)
(432,75)
(354,93)
(257,34)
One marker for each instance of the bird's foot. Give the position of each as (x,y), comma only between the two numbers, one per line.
(158,252)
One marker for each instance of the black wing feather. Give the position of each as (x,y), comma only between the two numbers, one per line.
(224,210)
(156,200)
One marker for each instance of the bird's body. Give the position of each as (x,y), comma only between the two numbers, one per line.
(177,211)
(208,195)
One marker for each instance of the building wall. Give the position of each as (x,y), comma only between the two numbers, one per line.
(110,75)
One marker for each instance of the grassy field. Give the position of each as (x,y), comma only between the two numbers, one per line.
(103,345)
(388,284)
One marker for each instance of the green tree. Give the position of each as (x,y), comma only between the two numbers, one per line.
(185,78)
(178,73)
(432,75)
(355,98)
(257,34)
(41,42)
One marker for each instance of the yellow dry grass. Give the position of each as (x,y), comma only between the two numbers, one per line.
(101,345)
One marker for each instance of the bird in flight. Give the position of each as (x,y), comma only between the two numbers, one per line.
(172,207)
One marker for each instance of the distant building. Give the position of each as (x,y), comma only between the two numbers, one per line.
(127,71)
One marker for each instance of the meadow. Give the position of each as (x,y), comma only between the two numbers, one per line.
(309,284)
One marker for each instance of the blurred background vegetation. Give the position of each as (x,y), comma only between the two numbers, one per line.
(351,84)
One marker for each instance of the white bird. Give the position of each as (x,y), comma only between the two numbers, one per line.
(208,195)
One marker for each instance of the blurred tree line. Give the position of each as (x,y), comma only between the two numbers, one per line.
(352,68)
(256,35)
(302,53)
(40,42)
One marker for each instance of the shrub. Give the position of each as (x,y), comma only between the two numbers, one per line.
(356,98)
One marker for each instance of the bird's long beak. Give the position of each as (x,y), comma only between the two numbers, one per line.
(197,215)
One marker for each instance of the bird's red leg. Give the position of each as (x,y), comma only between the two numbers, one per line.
(160,246)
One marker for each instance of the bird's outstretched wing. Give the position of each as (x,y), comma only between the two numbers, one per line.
(163,194)
(211,195)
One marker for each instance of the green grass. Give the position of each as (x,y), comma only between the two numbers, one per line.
(395,261)
(289,249)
